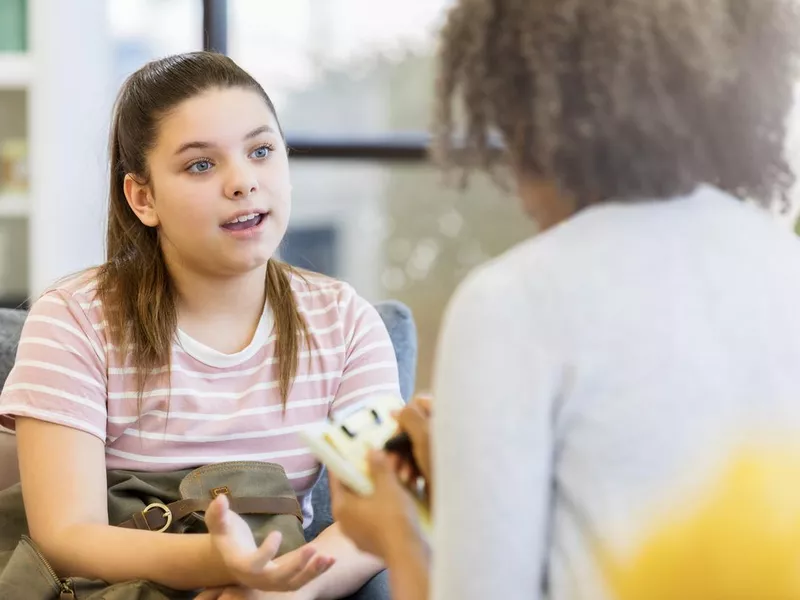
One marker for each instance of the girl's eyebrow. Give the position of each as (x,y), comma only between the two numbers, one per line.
(202,145)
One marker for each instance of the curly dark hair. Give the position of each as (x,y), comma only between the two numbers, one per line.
(619,100)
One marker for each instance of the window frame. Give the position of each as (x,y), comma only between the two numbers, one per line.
(413,147)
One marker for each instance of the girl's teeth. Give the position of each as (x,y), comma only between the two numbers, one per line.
(244,218)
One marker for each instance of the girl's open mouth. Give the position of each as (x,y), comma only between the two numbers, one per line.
(245,222)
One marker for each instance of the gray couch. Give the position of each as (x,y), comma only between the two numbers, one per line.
(10,327)
(402,330)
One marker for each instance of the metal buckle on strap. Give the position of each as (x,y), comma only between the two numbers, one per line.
(167,514)
(218,491)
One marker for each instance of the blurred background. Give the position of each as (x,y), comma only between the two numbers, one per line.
(352,82)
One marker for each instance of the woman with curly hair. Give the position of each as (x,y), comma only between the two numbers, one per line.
(595,381)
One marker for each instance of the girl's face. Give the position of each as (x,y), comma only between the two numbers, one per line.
(219,190)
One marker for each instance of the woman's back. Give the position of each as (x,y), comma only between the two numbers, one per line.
(595,384)
(646,345)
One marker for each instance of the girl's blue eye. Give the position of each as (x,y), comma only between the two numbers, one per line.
(200,167)
(261,152)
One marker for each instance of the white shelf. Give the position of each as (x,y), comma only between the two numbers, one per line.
(16,70)
(14,206)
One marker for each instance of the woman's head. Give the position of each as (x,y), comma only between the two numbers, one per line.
(195,145)
(624,99)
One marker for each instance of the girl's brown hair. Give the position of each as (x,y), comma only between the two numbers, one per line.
(134,284)
(623,99)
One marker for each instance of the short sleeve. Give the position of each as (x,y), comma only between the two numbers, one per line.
(370,362)
(59,374)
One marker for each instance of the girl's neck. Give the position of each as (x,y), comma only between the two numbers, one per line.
(222,313)
(205,296)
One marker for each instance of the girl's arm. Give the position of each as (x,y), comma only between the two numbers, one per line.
(350,572)
(370,369)
(64,488)
(58,393)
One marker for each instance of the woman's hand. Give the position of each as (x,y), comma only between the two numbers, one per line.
(384,521)
(415,419)
(256,568)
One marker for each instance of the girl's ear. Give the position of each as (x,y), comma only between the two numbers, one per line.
(141,201)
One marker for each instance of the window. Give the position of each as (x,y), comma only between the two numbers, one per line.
(340,73)
(353,90)
(339,67)
(396,231)
(143,30)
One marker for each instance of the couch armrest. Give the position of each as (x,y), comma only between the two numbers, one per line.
(9,468)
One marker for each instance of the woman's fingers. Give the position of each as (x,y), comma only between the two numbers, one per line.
(415,420)
(424,402)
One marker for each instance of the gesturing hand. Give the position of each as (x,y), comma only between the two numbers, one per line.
(256,567)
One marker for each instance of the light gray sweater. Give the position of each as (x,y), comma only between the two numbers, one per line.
(598,375)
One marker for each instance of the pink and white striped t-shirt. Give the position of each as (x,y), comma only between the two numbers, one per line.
(217,407)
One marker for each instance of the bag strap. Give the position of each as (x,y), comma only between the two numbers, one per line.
(159,517)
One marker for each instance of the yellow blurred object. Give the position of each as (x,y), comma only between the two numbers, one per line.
(742,542)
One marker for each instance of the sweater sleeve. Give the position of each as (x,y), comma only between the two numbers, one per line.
(493,442)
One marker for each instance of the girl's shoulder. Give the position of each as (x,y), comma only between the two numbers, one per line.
(77,292)
(314,290)
(331,305)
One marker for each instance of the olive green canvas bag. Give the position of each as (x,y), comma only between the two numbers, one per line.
(162,502)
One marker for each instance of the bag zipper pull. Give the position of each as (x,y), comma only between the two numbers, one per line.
(66,591)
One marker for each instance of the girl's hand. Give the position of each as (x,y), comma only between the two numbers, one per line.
(380,522)
(255,567)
